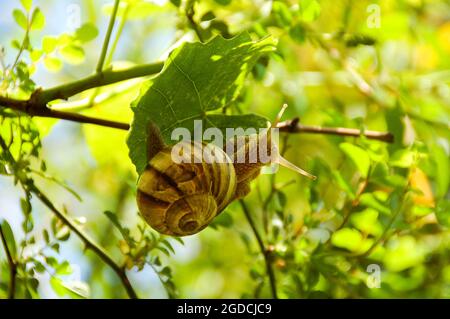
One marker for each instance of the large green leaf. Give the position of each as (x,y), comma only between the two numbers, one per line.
(197,78)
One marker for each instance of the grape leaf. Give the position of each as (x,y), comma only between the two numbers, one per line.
(196,78)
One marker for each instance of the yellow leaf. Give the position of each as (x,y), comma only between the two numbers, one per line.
(443,35)
(419,181)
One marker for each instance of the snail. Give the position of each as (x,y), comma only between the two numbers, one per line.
(181,198)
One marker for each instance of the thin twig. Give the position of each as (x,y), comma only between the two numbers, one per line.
(101,60)
(109,58)
(190,12)
(293,126)
(12,266)
(106,77)
(289,126)
(265,252)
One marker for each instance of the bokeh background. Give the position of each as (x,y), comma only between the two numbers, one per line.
(378,65)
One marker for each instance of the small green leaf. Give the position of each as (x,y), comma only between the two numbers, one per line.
(20,18)
(350,239)
(223,220)
(39,267)
(298,33)
(208,16)
(343,183)
(52,64)
(64,268)
(367,222)
(310,10)
(403,253)
(282,13)
(35,55)
(37,20)
(443,212)
(442,171)
(281,200)
(26,4)
(49,44)
(72,54)
(166,271)
(51,261)
(169,246)
(57,286)
(55,247)
(358,156)
(9,237)
(46,236)
(87,32)
(403,158)
(25,206)
(63,233)
(15,44)
(73,289)
(223,2)
(164,250)
(370,200)
(176,3)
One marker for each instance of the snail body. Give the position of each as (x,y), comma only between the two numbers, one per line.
(183,189)
(181,199)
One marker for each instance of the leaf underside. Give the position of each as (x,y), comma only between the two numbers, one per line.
(196,79)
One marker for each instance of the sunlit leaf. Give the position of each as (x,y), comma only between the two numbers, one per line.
(9,237)
(209,76)
(72,54)
(49,44)
(52,64)
(403,253)
(358,156)
(87,32)
(310,10)
(20,18)
(367,222)
(350,239)
(37,20)
(26,4)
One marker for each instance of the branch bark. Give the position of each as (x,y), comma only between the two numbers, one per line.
(293,126)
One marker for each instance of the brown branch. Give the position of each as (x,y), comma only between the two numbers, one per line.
(293,126)
(289,126)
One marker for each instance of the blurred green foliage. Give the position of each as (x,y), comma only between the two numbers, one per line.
(370,65)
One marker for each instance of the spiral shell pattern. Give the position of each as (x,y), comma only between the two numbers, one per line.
(181,199)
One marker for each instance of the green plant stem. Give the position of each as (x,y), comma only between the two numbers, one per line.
(101,60)
(293,126)
(106,77)
(265,252)
(12,266)
(112,49)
